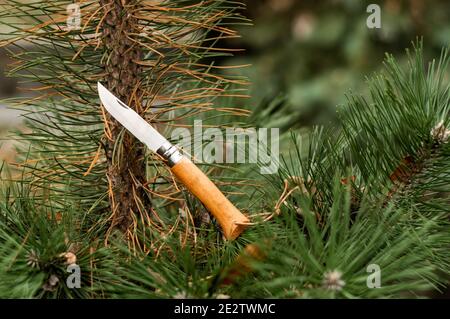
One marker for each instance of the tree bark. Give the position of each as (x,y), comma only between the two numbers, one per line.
(126,168)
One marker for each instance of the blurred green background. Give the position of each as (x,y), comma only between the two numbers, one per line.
(314,52)
(309,54)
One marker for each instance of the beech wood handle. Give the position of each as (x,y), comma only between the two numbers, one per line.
(207,192)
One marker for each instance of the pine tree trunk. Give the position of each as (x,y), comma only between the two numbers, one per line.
(126,168)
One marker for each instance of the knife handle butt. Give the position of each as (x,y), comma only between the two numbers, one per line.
(229,217)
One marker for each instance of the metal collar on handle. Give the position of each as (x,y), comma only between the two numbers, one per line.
(170,153)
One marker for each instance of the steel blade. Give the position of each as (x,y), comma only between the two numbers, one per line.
(134,123)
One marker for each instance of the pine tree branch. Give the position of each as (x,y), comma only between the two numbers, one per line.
(125,170)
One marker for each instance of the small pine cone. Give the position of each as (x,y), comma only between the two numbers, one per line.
(51,283)
(440,133)
(33,259)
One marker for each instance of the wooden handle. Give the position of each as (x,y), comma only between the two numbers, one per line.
(207,192)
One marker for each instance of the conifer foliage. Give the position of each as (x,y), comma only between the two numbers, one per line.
(152,54)
(360,210)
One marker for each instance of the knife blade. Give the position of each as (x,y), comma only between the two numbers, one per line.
(232,221)
(134,123)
